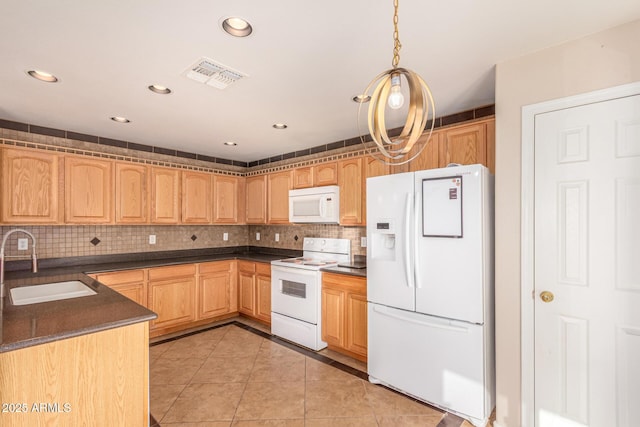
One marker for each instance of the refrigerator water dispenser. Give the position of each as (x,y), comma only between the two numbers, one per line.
(383,244)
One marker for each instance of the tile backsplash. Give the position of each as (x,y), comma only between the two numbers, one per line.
(89,240)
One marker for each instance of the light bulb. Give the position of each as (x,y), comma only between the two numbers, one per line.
(396,98)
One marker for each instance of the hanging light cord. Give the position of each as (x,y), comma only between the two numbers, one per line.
(396,38)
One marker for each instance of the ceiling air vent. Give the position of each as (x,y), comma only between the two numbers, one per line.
(212,73)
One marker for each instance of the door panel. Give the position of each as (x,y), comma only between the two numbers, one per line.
(587,205)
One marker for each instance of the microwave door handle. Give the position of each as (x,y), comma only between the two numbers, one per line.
(323,206)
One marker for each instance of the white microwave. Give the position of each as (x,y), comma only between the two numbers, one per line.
(316,204)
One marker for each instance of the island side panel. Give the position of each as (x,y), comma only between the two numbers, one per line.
(96,379)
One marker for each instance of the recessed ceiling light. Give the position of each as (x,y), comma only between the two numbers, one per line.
(163,90)
(361,99)
(230,143)
(280,126)
(120,119)
(237,27)
(42,76)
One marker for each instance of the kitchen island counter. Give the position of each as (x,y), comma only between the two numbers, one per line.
(34,324)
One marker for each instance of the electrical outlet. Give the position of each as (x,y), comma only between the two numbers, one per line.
(277,237)
(363,242)
(257,236)
(23,244)
(225,236)
(152,239)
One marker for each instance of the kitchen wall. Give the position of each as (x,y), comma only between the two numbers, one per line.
(72,241)
(598,61)
(288,234)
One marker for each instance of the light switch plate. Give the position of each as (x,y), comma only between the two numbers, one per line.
(225,236)
(23,244)
(363,242)
(152,239)
(277,237)
(257,236)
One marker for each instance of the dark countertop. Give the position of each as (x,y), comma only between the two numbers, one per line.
(33,324)
(28,325)
(360,272)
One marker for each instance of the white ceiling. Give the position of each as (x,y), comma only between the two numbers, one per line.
(305,61)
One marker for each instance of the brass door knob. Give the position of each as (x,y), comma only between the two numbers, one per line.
(546,296)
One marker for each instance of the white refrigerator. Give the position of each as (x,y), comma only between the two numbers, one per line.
(430,287)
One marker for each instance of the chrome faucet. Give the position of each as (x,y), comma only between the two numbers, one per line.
(34,260)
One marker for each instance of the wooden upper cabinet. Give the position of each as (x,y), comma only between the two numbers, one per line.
(132,193)
(88,185)
(165,195)
(465,145)
(429,158)
(196,197)
(303,177)
(29,187)
(325,174)
(256,205)
(226,195)
(374,167)
(350,180)
(491,146)
(278,186)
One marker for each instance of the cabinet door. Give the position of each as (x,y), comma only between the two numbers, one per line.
(333,316)
(429,158)
(132,193)
(356,324)
(225,196)
(263,292)
(173,300)
(350,180)
(303,177)
(465,145)
(325,174)
(246,301)
(256,199)
(29,187)
(278,186)
(88,189)
(165,196)
(213,294)
(196,197)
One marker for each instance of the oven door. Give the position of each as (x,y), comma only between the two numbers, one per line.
(295,292)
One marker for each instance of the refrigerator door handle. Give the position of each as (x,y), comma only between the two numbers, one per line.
(416,240)
(408,270)
(432,323)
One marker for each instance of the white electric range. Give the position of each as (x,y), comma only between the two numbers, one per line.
(296,285)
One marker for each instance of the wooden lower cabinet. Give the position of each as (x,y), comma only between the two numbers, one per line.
(99,379)
(254,290)
(344,314)
(130,283)
(217,289)
(172,295)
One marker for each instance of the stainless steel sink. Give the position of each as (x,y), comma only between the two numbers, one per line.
(50,292)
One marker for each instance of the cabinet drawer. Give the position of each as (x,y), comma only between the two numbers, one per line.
(344,282)
(121,277)
(247,266)
(263,268)
(214,267)
(161,273)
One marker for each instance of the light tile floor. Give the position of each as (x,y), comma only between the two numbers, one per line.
(231,376)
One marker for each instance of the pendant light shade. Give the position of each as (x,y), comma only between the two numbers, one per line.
(385,91)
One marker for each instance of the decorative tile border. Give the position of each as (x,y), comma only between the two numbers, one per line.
(255,167)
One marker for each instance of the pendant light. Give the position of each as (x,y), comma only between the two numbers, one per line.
(385,91)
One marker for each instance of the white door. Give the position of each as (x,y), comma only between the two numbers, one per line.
(587,256)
